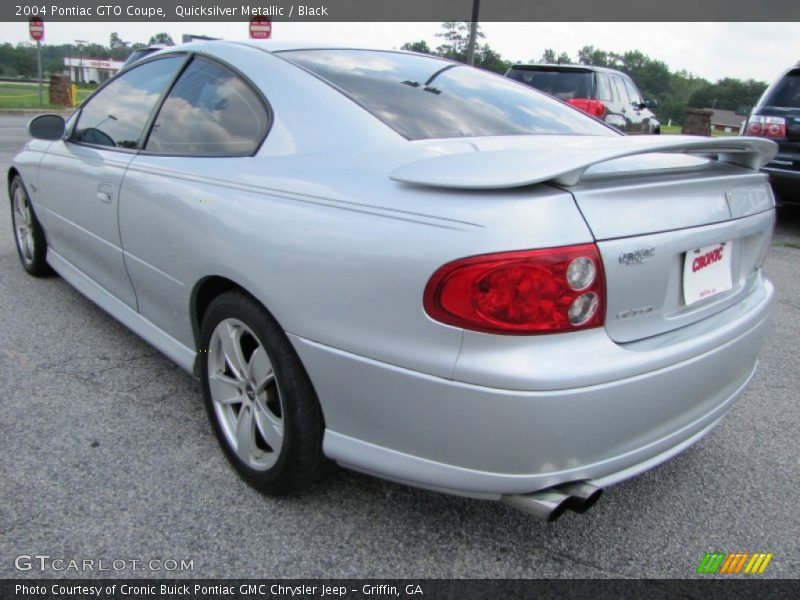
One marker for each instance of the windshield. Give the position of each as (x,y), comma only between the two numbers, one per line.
(424,97)
(564,85)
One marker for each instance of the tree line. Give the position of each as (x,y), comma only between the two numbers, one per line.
(674,90)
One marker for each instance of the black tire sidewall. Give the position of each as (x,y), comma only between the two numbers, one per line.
(277,479)
(37,266)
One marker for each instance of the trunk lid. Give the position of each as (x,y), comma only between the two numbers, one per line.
(649,224)
(653,204)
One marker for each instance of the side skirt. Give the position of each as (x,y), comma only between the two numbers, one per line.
(183,356)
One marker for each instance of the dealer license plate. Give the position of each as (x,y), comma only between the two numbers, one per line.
(707,272)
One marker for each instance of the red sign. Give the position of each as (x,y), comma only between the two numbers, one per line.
(36,27)
(260,28)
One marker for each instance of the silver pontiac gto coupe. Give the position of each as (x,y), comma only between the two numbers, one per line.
(407,266)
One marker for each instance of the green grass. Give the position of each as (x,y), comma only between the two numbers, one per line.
(26,95)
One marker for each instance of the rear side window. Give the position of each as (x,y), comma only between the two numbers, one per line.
(423,97)
(622,93)
(787,92)
(116,116)
(604,87)
(210,111)
(633,93)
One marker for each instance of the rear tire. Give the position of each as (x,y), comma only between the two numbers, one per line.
(28,232)
(259,399)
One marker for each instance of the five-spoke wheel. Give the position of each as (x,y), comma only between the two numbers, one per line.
(261,403)
(28,233)
(245,394)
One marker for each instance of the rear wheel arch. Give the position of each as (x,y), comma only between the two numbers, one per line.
(205,291)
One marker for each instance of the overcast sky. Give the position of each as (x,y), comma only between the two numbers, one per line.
(711,50)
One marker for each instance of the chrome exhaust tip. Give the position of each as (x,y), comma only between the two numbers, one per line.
(547,505)
(583,495)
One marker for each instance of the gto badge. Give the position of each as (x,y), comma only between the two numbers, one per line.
(637,257)
(634,312)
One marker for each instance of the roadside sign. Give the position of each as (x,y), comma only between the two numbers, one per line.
(36,27)
(260,28)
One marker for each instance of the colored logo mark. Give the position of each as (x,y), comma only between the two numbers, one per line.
(738,562)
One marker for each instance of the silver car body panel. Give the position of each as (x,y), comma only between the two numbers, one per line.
(314,227)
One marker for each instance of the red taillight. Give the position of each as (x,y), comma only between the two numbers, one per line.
(771,127)
(592,107)
(525,292)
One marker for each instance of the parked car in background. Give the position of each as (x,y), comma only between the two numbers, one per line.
(604,93)
(411,267)
(777,116)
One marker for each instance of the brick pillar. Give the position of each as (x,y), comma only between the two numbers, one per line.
(59,91)
(697,122)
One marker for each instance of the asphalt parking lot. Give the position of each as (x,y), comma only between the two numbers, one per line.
(105,453)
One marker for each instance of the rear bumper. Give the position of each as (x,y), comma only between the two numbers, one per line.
(650,401)
(785,182)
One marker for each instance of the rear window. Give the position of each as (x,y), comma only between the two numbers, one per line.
(424,97)
(564,85)
(787,92)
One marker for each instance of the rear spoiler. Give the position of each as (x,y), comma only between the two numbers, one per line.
(563,160)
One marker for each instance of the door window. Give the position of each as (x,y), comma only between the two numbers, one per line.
(209,112)
(117,115)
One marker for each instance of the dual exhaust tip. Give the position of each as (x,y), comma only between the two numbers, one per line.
(551,503)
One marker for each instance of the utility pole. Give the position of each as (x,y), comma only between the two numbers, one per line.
(80,44)
(39,64)
(473,32)
(36,29)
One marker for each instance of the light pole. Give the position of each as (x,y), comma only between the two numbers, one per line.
(80,44)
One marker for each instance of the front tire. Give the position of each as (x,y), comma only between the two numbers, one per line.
(259,399)
(28,232)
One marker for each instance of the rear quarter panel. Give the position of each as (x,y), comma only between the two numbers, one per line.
(314,228)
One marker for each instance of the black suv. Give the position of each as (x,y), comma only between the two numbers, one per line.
(604,93)
(777,117)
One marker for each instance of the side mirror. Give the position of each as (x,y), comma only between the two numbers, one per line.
(47,127)
(743,111)
(650,103)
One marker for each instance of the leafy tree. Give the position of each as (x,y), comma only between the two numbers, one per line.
(488,59)
(456,39)
(589,55)
(421,46)
(548,57)
(118,48)
(727,94)
(162,38)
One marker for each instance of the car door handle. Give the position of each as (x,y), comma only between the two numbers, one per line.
(105,193)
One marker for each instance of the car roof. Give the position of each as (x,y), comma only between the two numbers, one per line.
(552,67)
(278,46)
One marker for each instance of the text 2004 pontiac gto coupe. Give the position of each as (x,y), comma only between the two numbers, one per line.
(407,266)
